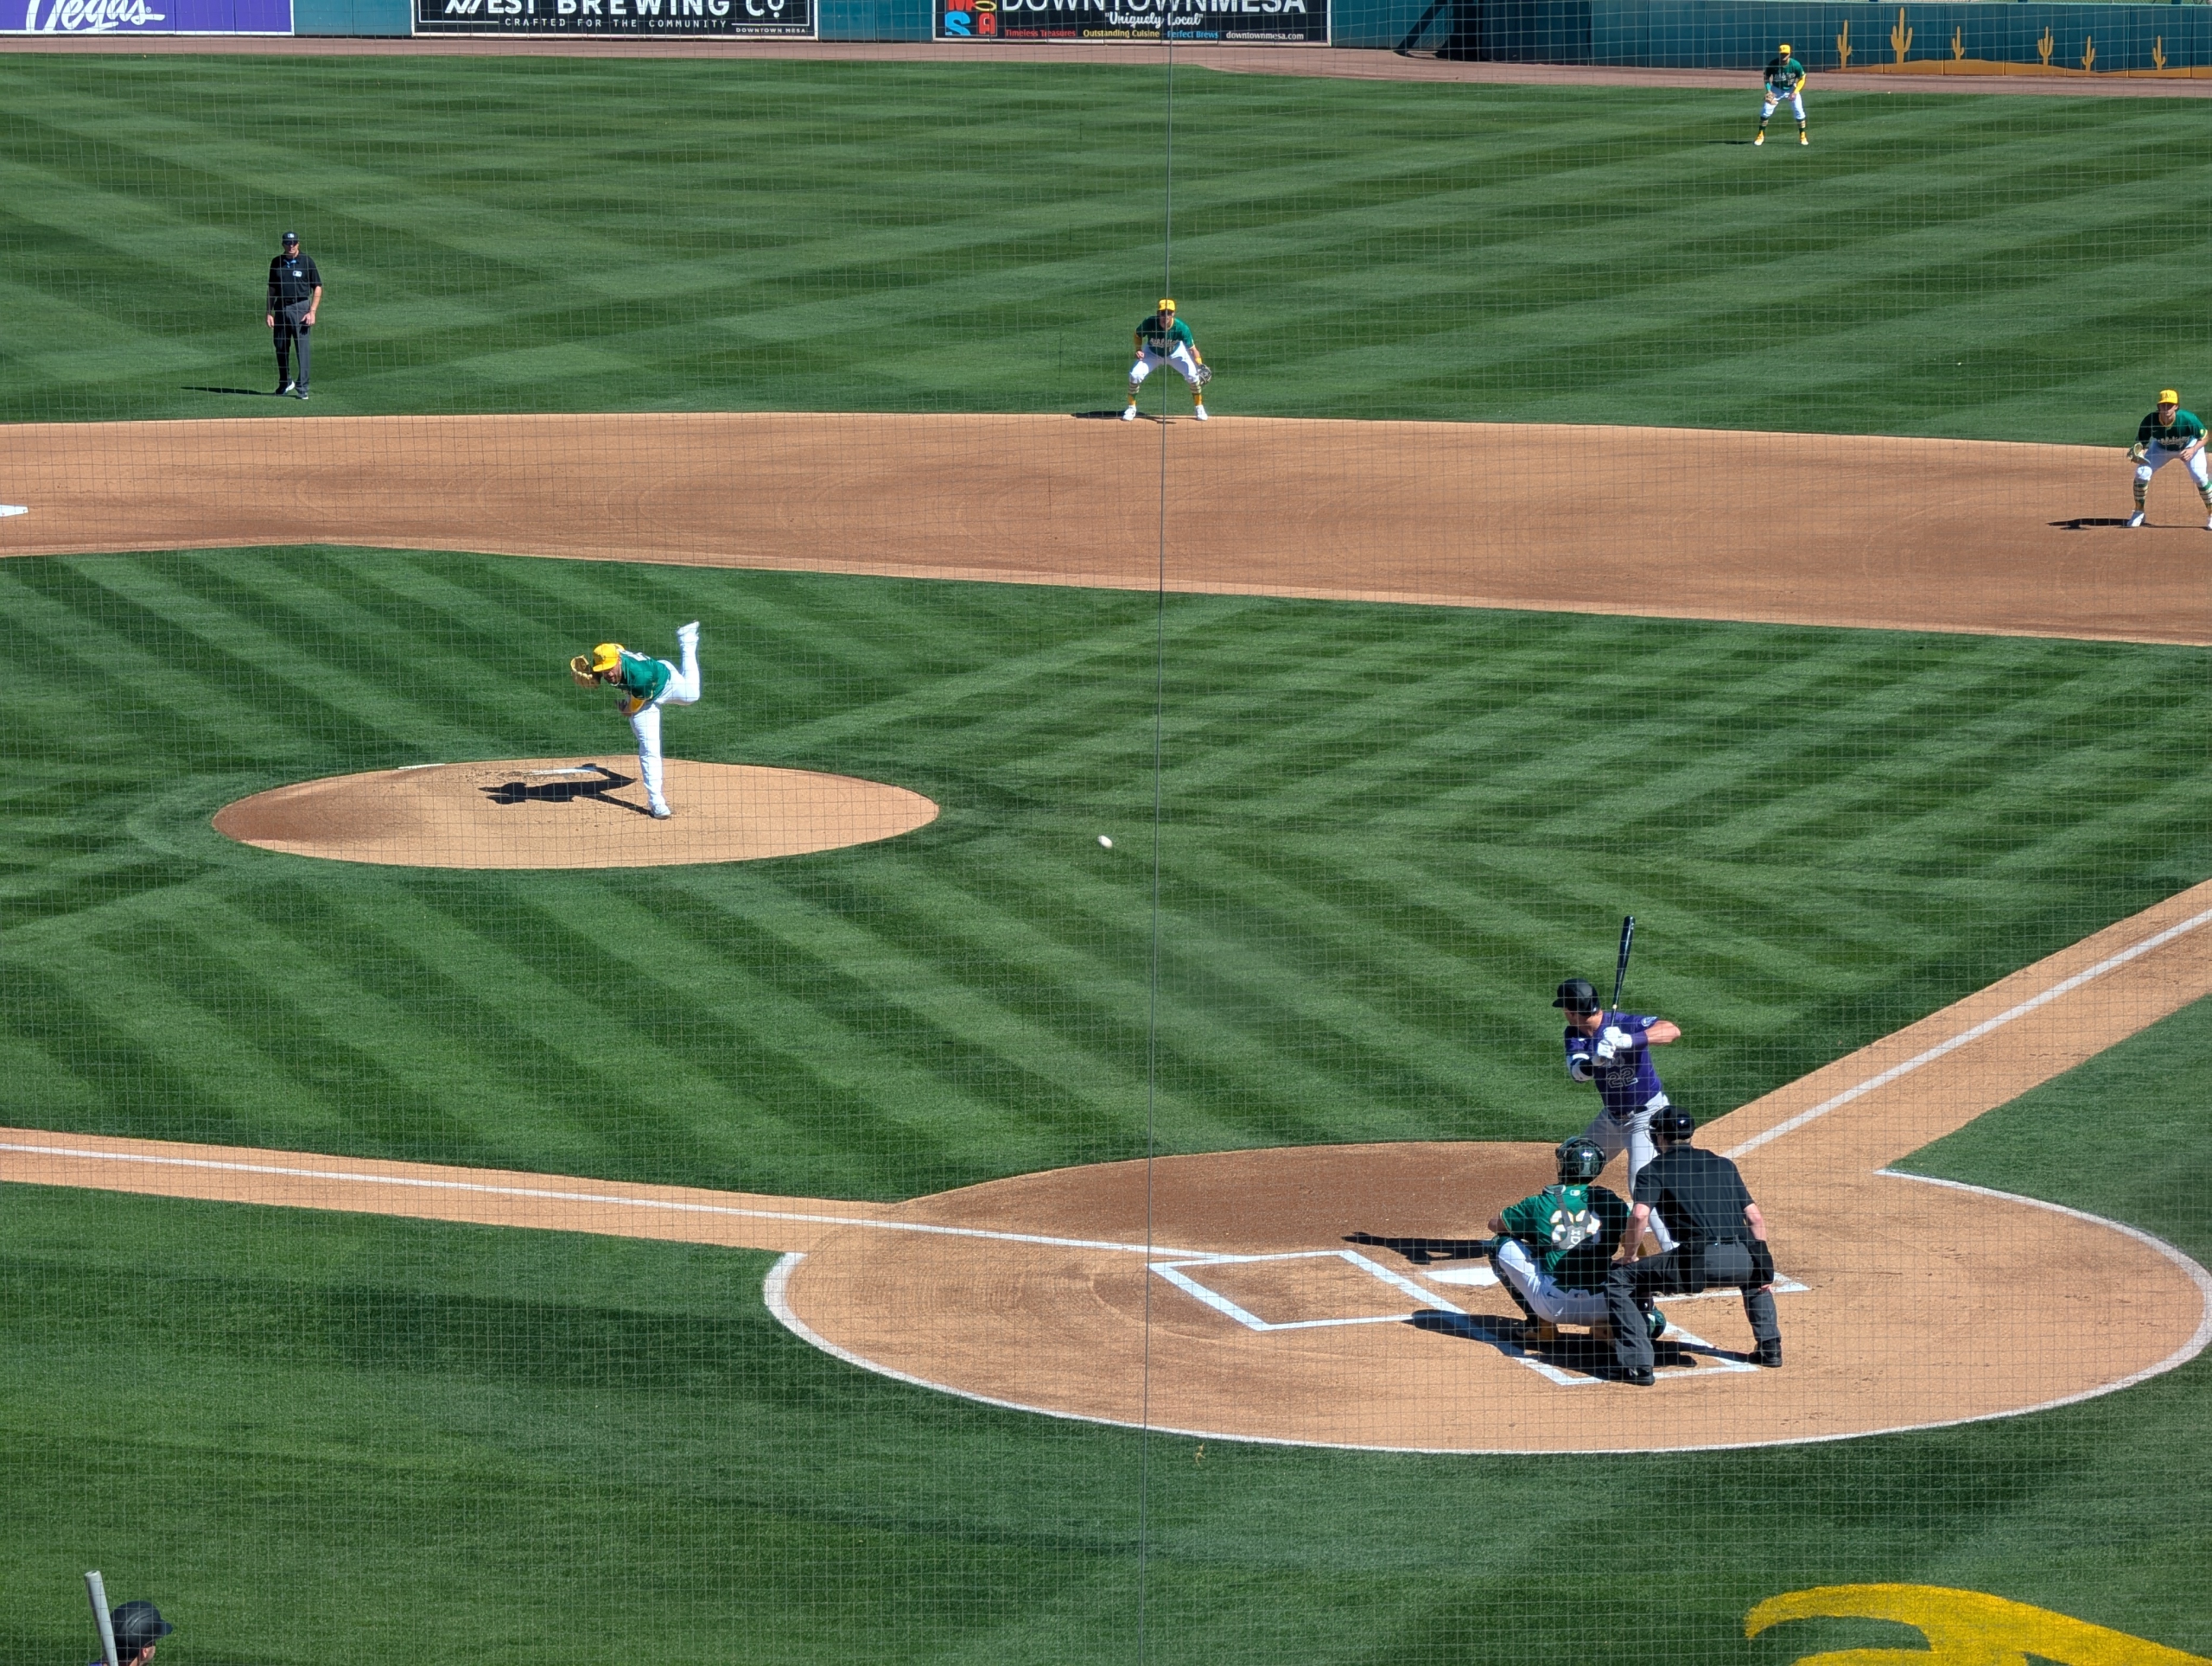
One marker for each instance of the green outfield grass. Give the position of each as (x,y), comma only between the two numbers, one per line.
(307,1435)
(507,234)
(1386,833)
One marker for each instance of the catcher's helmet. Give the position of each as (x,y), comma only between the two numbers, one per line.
(607,656)
(1581,1161)
(1672,1124)
(1578,995)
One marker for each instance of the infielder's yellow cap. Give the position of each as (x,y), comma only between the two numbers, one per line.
(1783,48)
(2168,397)
(1166,305)
(607,656)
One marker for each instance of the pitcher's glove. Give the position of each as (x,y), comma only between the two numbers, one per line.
(1205,374)
(2138,453)
(580,669)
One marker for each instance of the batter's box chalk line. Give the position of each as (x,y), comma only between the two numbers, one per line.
(1178,1274)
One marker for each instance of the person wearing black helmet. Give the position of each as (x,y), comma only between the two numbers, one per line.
(138,1626)
(1721,1240)
(1613,1049)
(1556,1247)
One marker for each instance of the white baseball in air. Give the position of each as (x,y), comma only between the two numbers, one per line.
(1104,842)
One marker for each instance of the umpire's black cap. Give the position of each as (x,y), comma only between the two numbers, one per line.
(137,1624)
(291,237)
(1577,995)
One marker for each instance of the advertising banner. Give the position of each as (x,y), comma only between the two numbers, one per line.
(145,16)
(785,17)
(1246,21)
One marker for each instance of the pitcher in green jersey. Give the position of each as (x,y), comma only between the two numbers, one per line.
(647,685)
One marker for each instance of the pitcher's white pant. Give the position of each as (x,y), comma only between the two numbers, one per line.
(1179,359)
(2159,457)
(1548,1299)
(1633,1137)
(1797,101)
(683,690)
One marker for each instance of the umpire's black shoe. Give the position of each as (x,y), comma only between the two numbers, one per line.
(285,387)
(1769,1354)
(1636,1379)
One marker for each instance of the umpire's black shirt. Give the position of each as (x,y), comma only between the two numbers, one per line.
(1700,1196)
(292,279)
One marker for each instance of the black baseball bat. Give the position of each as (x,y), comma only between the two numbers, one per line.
(1620,966)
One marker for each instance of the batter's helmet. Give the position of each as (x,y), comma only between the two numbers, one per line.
(1577,995)
(137,1626)
(1581,1161)
(1672,1124)
(607,656)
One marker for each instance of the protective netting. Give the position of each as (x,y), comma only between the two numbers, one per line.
(1041,1152)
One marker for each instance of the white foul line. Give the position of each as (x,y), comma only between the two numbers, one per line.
(2065,986)
(667,1205)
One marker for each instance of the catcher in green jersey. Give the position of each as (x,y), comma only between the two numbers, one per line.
(647,685)
(1785,82)
(2169,435)
(1556,1247)
(1164,339)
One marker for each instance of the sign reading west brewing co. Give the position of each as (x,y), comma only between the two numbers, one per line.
(149,17)
(1306,22)
(615,18)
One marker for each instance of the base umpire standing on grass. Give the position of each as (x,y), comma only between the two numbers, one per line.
(1720,1239)
(295,293)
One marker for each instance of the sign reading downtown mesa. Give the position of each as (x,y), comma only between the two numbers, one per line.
(1301,22)
(789,17)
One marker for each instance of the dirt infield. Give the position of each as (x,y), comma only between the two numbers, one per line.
(1945,535)
(1245,1315)
(1334,63)
(568,812)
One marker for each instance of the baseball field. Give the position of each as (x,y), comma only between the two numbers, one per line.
(415,1255)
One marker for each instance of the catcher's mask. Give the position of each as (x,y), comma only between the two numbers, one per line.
(1581,1161)
(606,656)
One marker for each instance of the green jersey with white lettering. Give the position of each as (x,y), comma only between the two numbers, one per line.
(1577,1227)
(2185,430)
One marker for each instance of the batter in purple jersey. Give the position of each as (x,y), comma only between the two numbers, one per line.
(1613,1049)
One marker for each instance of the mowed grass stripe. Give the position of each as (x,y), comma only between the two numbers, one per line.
(564,235)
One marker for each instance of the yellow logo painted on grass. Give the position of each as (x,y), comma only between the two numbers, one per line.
(1963,1628)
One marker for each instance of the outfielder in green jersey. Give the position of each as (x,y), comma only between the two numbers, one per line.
(1785,79)
(2169,435)
(1554,1247)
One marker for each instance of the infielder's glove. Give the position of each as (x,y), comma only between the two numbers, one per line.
(580,669)
(2138,453)
(1205,374)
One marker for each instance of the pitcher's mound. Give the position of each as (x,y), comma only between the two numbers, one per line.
(570,812)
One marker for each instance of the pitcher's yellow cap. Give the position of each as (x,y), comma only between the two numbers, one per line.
(2168,397)
(606,656)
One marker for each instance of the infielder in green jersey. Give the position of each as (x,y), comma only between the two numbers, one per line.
(647,685)
(2169,435)
(1555,1248)
(1785,81)
(1164,339)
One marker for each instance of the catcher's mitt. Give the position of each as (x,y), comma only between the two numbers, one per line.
(2138,453)
(1205,374)
(580,669)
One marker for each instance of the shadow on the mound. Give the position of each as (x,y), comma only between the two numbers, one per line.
(1574,1350)
(2082,521)
(1422,1251)
(568,792)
